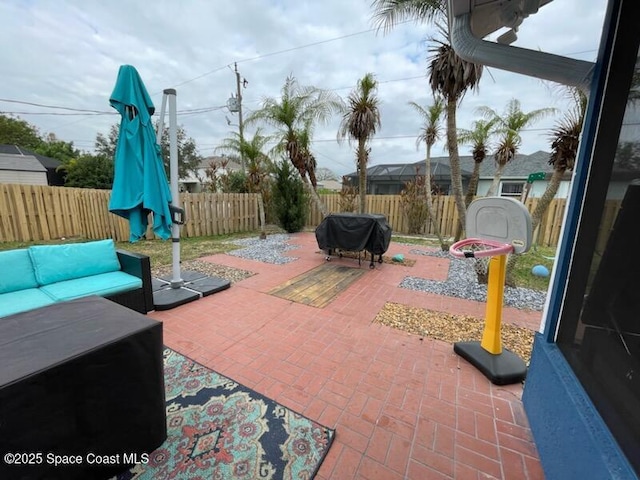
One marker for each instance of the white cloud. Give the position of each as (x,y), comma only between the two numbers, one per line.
(67,53)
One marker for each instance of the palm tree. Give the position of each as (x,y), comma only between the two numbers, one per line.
(430,133)
(565,137)
(309,160)
(258,163)
(258,166)
(508,128)
(297,111)
(360,122)
(478,138)
(450,75)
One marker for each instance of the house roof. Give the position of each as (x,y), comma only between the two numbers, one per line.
(46,162)
(20,163)
(520,167)
(406,171)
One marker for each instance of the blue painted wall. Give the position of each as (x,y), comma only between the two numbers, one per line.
(572,440)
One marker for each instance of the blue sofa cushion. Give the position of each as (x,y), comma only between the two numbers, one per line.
(23,300)
(57,263)
(17,271)
(102,284)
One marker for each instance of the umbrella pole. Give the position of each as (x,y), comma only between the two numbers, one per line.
(170,93)
(194,285)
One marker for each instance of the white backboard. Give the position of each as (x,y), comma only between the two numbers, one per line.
(502,219)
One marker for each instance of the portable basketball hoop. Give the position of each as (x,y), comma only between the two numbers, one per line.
(497,226)
(477,247)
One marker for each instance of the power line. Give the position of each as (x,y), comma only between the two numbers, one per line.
(342,37)
(85,112)
(58,114)
(286,50)
(21,102)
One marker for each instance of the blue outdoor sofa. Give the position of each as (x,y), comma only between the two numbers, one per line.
(45,274)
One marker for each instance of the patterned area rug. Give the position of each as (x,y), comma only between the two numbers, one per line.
(219,429)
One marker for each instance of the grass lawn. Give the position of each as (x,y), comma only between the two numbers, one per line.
(160,252)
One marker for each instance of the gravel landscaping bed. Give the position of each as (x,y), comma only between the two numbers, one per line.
(452,328)
(210,269)
(268,250)
(462,283)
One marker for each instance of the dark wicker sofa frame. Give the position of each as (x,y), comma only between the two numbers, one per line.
(138,265)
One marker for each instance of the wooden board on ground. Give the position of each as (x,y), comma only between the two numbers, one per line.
(318,287)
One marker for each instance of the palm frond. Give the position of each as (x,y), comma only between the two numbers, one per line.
(449,74)
(431,129)
(389,13)
(361,118)
(565,135)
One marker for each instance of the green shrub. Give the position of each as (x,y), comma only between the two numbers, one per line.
(89,171)
(290,199)
(235,182)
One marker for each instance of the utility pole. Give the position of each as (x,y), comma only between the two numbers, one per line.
(240,126)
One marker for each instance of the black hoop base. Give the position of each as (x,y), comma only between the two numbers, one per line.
(502,369)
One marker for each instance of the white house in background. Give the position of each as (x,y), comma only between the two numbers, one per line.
(22,169)
(193,183)
(22,166)
(333,185)
(516,175)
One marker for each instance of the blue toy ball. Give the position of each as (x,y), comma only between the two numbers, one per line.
(540,271)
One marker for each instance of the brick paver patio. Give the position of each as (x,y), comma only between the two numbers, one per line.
(403,407)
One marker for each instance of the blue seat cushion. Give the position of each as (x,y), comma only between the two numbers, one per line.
(17,271)
(57,263)
(23,300)
(103,284)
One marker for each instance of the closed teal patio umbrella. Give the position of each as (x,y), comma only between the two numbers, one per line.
(140,183)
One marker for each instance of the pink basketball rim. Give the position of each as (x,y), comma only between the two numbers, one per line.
(484,248)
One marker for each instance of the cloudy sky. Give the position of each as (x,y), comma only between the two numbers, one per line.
(67,54)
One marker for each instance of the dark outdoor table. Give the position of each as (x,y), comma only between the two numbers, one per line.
(355,232)
(78,378)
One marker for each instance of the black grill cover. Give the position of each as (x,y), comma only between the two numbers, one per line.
(354,232)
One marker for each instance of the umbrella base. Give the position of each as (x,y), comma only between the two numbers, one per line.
(195,285)
(209,285)
(186,275)
(168,298)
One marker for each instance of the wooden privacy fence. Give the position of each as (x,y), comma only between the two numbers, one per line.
(391,207)
(548,232)
(40,213)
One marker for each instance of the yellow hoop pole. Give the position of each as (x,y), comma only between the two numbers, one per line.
(491,337)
